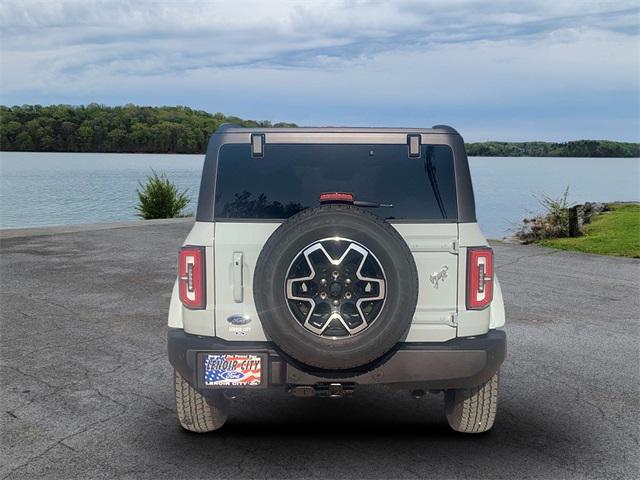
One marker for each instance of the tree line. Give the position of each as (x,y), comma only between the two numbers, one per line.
(137,129)
(99,128)
(577,148)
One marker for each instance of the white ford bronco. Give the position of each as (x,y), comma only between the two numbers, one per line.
(323,259)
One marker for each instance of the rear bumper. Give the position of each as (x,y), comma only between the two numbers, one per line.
(459,363)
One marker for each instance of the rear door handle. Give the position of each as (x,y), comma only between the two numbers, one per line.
(237,277)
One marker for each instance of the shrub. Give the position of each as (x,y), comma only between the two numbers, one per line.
(556,215)
(160,198)
(553,223)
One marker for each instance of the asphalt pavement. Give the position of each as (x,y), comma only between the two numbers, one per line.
(86,388)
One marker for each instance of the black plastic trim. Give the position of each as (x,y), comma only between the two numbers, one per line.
(463,362)
(206,197)
(446,128)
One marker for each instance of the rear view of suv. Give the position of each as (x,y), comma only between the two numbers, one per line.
(323,259)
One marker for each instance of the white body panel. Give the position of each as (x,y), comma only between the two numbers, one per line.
(431,244)
(440,313)
(175,309)
(246,239)
(497,316)
(434,251)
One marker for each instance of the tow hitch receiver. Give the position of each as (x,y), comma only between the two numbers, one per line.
(331,390)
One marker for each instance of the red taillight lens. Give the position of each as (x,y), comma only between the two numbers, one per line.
(479,277)
(191,277)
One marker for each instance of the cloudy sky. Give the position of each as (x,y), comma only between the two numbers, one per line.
(525,70)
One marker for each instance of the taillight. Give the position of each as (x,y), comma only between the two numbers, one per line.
(191,277)
(479,277)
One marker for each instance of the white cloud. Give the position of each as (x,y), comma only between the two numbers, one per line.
(310,59)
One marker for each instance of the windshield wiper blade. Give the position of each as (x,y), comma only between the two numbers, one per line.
(360,203)
(431,173)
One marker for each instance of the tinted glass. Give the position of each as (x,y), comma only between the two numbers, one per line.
(291,177)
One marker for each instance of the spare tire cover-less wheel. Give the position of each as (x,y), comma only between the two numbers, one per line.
(335,287)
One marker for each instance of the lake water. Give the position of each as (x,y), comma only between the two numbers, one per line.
(38,189)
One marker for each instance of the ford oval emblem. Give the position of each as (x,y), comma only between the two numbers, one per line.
(239,319)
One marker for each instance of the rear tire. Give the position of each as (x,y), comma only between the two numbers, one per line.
(473,410)
(197,413)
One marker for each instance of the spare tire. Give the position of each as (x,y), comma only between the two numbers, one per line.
(335,287)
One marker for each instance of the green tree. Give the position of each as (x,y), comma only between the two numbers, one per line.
(132,128)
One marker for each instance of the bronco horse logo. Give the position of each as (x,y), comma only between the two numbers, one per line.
(438,276)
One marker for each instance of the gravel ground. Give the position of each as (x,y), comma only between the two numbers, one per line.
(87,393)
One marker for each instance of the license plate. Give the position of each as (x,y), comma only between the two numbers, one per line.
(232,370)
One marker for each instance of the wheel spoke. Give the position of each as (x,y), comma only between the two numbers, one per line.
(339,296)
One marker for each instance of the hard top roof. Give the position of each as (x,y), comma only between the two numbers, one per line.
(436,129)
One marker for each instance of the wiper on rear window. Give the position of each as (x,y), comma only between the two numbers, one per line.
(347,197)
(431,173)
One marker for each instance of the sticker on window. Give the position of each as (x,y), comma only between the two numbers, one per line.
(232,370)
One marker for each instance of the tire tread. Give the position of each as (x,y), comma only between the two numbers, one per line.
(473,410)
(194,412)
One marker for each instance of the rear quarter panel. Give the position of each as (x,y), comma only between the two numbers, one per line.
(198,322)
(475,322)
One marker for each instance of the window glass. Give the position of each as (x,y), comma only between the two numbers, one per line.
(291,177)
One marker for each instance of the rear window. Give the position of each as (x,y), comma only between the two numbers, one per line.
(291,177)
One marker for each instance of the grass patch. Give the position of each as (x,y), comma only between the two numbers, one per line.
(616,232)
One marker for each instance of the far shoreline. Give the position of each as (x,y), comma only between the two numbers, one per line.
(204,153)
(133,128)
